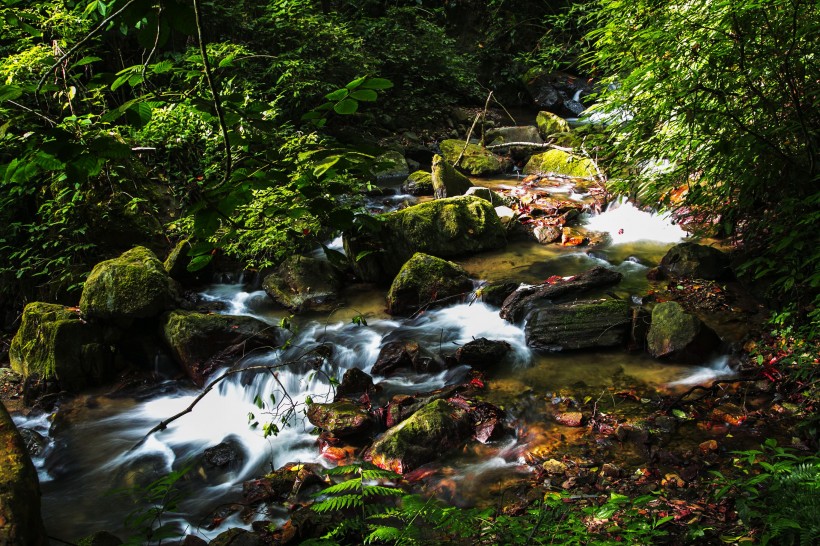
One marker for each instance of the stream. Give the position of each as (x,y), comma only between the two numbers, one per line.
(100,448)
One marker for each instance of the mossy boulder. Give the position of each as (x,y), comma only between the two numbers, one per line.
(677,336)
(390,165)
(426,435)
(418,183)
(443,228)
(134,285)
(447,181)
(301,283)
(54,343)
(504,135)
(426,281)
(561,163)
(20,518)
(550,124)
(578,325)
(477,160)
(201,342)
(176,264)
(691,260)
(341,419)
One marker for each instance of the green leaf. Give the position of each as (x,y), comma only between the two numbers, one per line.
(84,61)
(346,107)
(138,114)
(679,413)
(356,83)
(377,83)
(367,95)
(199,262)
(10,92)
(339,94)
(162,67)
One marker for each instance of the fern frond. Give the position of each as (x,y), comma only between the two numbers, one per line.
(370,490)
(379,474)
(354,484)
(343,470)
(341,502)
(383,534)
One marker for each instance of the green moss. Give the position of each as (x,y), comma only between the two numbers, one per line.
(339,418)
(424,280)
(672,329)
(134,285)
(476,160)
(301,283)
(549,124)
(560,162)
(448,182)
(419,183)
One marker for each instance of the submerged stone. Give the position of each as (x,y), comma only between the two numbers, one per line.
(482,353)
(404,356)
(426,281)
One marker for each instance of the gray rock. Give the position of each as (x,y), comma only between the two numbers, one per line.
(677,336)
(301,283)
(581,325)
(691,260)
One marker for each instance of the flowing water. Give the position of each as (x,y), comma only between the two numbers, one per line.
(103,446)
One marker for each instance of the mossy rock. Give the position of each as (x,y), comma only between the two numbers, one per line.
(477,161)
(20,518)
(176,264)
(562,163)
(443,228)
(503,135)
(549,124)
(134,285)
(567,139)
(578,325)
(677,336)
(426,435)
(203,342)
(390,166)
(691,260)
(54,343)
(447,181)
(488,195)
(301,283)
(418,183)
(340,418)
(426,281)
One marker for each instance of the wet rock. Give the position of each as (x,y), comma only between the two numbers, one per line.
(546,234)
(201,343)
(443,228)
(487,194)
(101,538)
(487,421)
(390,165)
(354,382)
(192,540)
(677,336)
(549,124)
(519,303)
(561,163)
(35,442)
(570,418)
(228,454)
(447,181)
(422,438)
(340,418)
(482,353)
(20,517)
(580,325)
(708,446)
(236,537)
(418,183)
(731,414)
(305,524)
(54,342)
(552,466)
(426,281)
(400,356)
(282,483)
(691,260)
(571,237)
(553,90)
(476,161)
(494,293)
(301,283)
(134,285)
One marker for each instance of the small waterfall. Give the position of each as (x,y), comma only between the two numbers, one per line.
(716,369)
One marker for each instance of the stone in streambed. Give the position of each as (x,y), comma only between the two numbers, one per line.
(494,293)
(354,383)
(578,325)
(301,283)
(422,438)
(237,537)
(403,356)
(447,181)
(677,336)
(476,161)
(482,353)
(418,183)
(340,418)
(691,260)
(549,124)
(426,281)
(561,163)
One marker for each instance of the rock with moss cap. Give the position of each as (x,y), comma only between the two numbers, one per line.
(176,264)
(390,165)
(301,283)
(691,260)
(134,285)
(20,518)
(578,325)
(504,135)
(677,336)
(549,124)
(430,432)
(342,419)
(561,163)
(426,281)
(201,343)
(54,343)
(448,182)
(477,160)
(443,228)
(418,183)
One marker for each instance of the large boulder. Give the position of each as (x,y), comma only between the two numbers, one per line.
(477,160)
(677,336)
(505,135)
(201,343)
(341,418)
(418,183)
(578,325)
(134,285)
(301,283)
(550,124)
(422,438)
(447,181)
(390,165)
(561,163)
(482,353)
(522,301)
(444,228)
(354,383)
(405,355)
(20,519)
(691,260)
(426,281)
(54,342)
